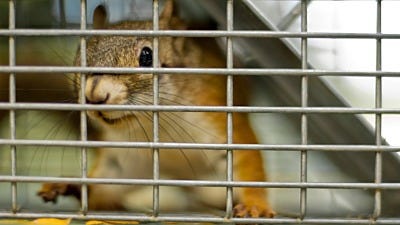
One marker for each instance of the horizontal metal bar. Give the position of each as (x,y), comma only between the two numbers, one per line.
(202,218)
(193,146)
(214,71)
(195,33)
(199,183)
(179,108)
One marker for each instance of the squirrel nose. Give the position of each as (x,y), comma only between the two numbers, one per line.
(94,93)
(97,99)
(105,90)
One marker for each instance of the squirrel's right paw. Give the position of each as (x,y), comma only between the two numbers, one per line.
(50,191)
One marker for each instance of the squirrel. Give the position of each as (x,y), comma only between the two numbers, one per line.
(197,127)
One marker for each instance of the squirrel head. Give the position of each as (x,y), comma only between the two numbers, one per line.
(131,51)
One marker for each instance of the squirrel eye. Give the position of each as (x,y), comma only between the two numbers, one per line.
(146,57)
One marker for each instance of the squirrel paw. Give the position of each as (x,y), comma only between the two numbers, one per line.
(50,191)
(253,211)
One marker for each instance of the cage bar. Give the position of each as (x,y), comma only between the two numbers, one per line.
(229,102)
(304,103)
(83,117)
(197,71)
(201,219)
(378,116)
(196,33)
(12,100)
(156,152)
(178,108)
(193,146)
(204,183)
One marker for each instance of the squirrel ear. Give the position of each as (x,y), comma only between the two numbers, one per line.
(168,10)
(100,17)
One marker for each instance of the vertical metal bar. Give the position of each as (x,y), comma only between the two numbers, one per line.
(229,102)
(83,118)
(12,99)
(156,153)
(304,103)
(378,116)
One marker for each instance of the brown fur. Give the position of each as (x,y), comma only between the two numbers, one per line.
(200,127)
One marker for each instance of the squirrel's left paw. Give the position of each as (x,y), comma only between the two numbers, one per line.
(252,211)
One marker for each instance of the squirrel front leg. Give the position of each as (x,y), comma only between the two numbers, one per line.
(249,166)
(253,202)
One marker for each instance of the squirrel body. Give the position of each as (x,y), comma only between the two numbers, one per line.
(180,127)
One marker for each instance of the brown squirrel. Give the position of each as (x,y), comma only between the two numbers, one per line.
(198,127)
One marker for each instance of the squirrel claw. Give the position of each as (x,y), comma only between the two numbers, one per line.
(245,211)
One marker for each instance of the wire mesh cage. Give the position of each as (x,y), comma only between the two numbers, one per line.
(277,63)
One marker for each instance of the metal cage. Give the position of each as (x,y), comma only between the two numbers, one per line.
(320,129)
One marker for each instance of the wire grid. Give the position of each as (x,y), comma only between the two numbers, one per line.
(229,72)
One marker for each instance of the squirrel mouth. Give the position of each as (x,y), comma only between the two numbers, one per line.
(110,118)
(98,115)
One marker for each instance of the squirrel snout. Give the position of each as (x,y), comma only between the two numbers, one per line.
(97,99)
(104,90)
